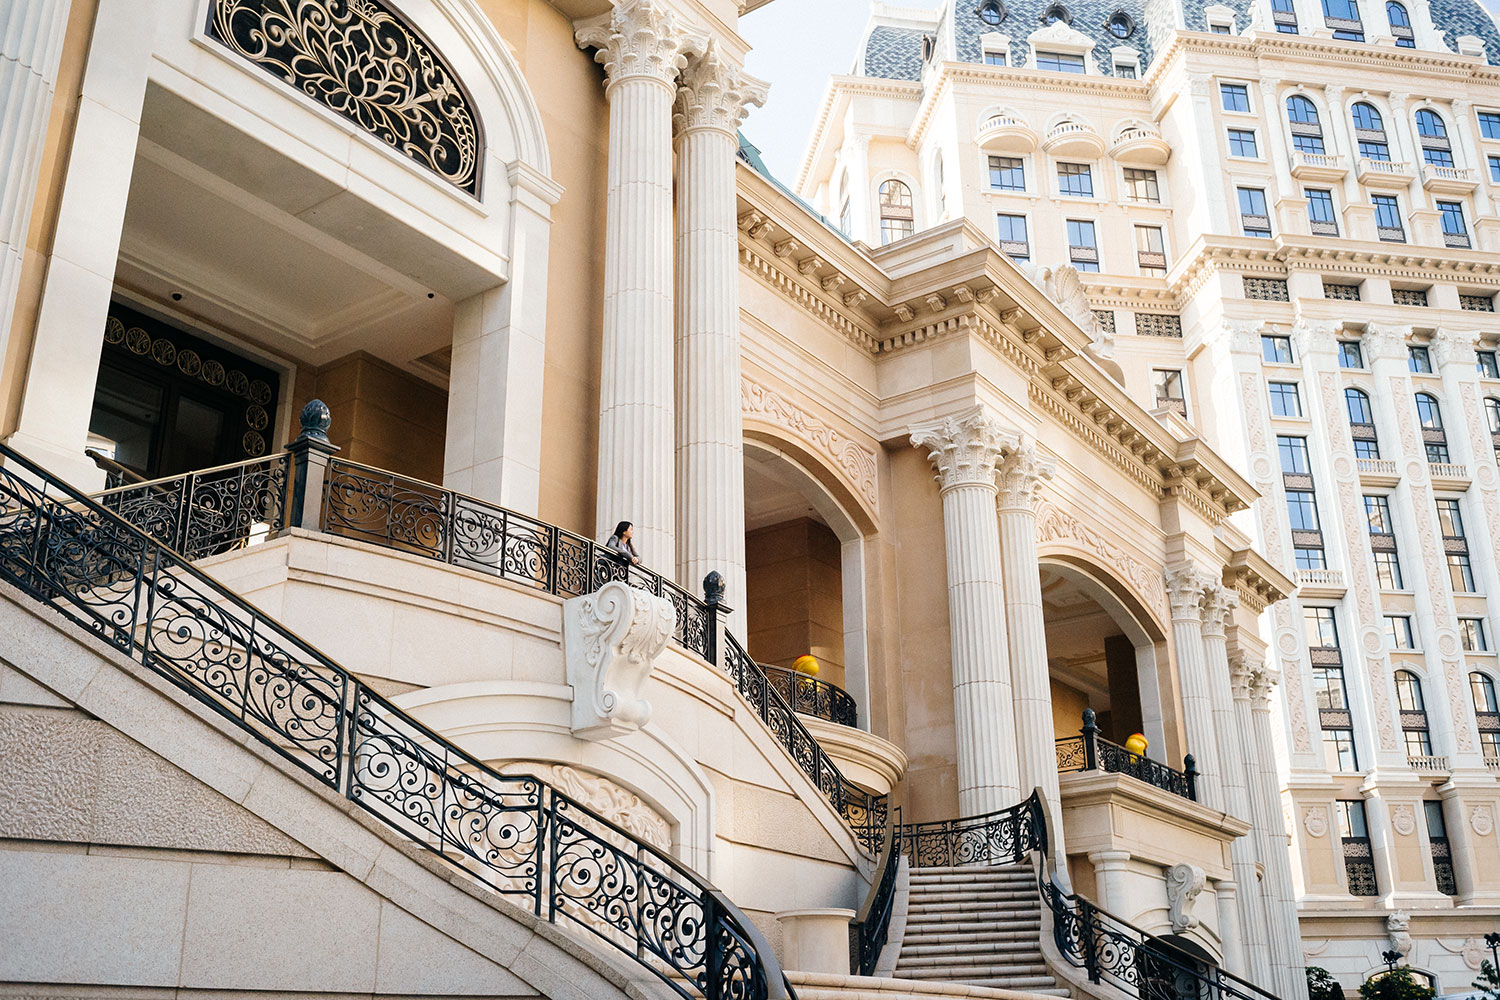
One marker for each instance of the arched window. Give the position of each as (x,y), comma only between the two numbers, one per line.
(942,193)
(1369,132)
(897,221)
(1057,12)
(992,12)
(1428,412)
(1492,412)
(1437,151)
(1486,713)
(846,210)
(1483,690)
(1361,423)
(1400,22)
(1121,25)
(1307,131)
(1413,714)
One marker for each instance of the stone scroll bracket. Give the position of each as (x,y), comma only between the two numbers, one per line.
(611,640)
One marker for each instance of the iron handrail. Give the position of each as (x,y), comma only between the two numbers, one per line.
(811,696)
(871,926)
(1002,837)
(1089,751)
(115,473)
(516,834)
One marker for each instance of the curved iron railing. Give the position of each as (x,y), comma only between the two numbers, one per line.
(810,696)
(210,511)
(1091,752)
(516,834)
(1003,837)
(871,927)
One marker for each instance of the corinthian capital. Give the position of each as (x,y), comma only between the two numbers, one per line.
(1241,675)
(1263,680)
(638,39)
(1218,601)
(1185,587)
(1387,342)
(965,449)
(715,94)
(1021,472)
(1450,347)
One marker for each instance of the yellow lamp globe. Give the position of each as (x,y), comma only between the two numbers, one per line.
(1136,744)
(806,664)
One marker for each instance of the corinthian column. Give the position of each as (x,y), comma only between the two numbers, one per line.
(1021,472)
(31,35)
(965,450)
(642,51)
(710,448)
(1185,589)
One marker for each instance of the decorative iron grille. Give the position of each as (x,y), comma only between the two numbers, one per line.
(519,836)
(1409,296)
(1340,290)
(1359,867)
(1003,837)
(1266,289)
(1477,303)
(1158,325)
(1106,318)
(1442,866)
(364,61)
(810,696)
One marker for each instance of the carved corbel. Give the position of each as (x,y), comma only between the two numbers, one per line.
(1184,883)
(807,265)
(936,302)
(611,640)
(786,248)
(833,282)
(904,312)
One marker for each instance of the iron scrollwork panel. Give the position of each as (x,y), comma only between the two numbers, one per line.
(365,62)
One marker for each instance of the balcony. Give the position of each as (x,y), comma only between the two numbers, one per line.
(1380,470)
(1139,144)
(1091,752)
(1428,764)
(1073,139)
(1449,475)
(1319,582)
(1493,763)
(1176,404)
(1006,134)
(1318,166)
(1391,175)
(1449,180)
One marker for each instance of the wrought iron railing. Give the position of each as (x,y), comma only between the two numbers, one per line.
(870,929)
(1091,752)
(203,513)
(1003,837)
(517,835)
(810,696)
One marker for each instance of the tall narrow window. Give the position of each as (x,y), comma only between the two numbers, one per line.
(897,220)
(846,214)
(1151,251)
(1434,437)
(1418,360)
(1351,355)
(1359,860)
(1455,545)
(1168,389)
(1301,502)
(1361,423)
(1083,248)
(942,192)
(1343,17)
(1011,232)
(1442,851)
(1487,364)
(1486,714)
(1413,714)
(1369,132)
(1492,417)
(1455,231)
(1307,131)
(1399,633)
(1388,225)
(1285,400)
(1320,216)
(1400,22)
(1254,219)
(1284,14)
(1383,543)
(1489,124)
(1471,635)
(1432,134)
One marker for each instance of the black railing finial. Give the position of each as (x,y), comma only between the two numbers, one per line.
(1190,769)
(310,454)
(316,419)
(1090,736)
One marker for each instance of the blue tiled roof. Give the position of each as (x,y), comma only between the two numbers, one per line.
(894,53)
(1022,17)
(1465,17)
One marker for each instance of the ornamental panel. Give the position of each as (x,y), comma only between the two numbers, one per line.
(365,62)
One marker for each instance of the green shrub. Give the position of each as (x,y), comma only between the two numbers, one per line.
(1322,986)
(1398,984)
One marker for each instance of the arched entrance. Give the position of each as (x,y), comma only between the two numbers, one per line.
(805,572)
(1103,653)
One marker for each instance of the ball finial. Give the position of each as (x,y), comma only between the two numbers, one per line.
(806,664)
(315,420)
(713,588)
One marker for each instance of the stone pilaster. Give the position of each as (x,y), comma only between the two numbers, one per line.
(711,101)
(642,49)
(965,449)
(1185,590)
(1277,890)
(31,35)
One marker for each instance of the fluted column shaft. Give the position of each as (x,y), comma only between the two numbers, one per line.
(1280,897)
(642,54)
(710,429)
(31,36)
(965,450)
(1185,588)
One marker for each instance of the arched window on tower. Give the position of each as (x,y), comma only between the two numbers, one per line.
(1369,132)
(846,210)
(1437,151)
(1486,713)
(1400,22)
(1413,714)
(1361,423)
(1430,415)
(897,220)
(1307,131)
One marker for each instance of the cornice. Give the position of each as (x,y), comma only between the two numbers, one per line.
(804,296)
(1323,51)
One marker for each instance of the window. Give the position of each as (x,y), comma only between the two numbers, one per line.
(1012,235)
(1320,212)
(1486,713)
(1409,296)
(1167,387)
(897,221)
(1125,71)
(1442,852)
(1388,571)
(1486,364)
(1432,134)
(1344,291)
(1388,218)
(1455,232)
(1455,545)
(994,57)
(1151,251)
(1120,25)
(1307,131)
(1361,423)
(1450,518)
(1343,17)
(1413,714)
(1359,862)
(1350,354)
(1293,453)
(1306,557)
(1007,173)
(1285,402)
(1419,360)
(1409,691)
(1284,13)
(1083,251)
(1076,179)
(1482,689)
(1492,413)
(1471,635)
(1400,22)
(1430,125)
(991,12)
(1321,632)
(1141,185)
(1059,62)
(1460,573)
(1254,218)
(1235,97)
(1242,143)
(1338,750)
(941,185)
(1369,132)
(1057,12)
(1476,303)
(1489,124)
(1378,515)
(1219,28)
(1494,162)
(1398,632)
(1275,349)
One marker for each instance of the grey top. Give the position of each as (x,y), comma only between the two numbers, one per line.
(623,547)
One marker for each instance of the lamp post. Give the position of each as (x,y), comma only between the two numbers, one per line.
(1391,959)
(1492,941)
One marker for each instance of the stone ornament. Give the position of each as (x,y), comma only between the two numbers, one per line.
(638,39)
(1451,347)
(965,449)
(1184,883)
(855,461)
(1396,926)
(1054,524)
(1481,820)
(1315,821)
(611,640)
(608,798)
(1218,602)
(1062,285)
(1020,475)
(1403,821)
(1186,586)
(713,93)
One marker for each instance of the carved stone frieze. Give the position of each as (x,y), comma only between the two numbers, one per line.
(611,640)
(604,796)
(1055,524)
(1403,820)
(855,461)
(965,449)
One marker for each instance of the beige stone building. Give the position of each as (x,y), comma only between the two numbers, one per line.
(340,336)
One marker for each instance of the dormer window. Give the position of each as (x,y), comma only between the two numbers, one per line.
(991,12)
(1060,62)
(1220,19)
(1121,25)
(1057,12)
(1400,22)
(996,48)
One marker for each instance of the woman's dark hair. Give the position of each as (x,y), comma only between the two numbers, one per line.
(621,528)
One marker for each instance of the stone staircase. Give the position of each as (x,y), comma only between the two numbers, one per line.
(977,926)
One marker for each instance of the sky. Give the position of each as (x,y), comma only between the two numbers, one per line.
(797,45)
